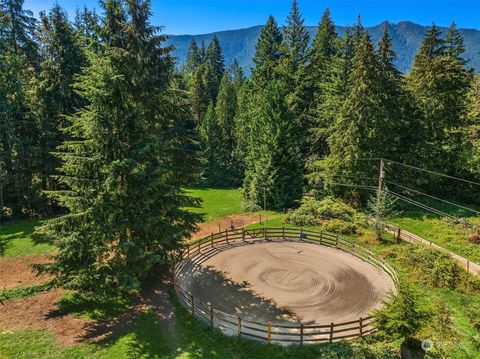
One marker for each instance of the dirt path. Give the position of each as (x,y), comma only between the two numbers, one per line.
(15,272)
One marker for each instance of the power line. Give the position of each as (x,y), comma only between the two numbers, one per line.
(436,198)
(432,172)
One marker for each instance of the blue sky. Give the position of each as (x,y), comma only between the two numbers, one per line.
(204,16)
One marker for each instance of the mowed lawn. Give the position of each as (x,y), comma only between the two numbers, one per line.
(16,239)
(216,202)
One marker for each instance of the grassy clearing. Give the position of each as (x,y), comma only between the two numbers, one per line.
(441,231)
(217,202)
(16,239)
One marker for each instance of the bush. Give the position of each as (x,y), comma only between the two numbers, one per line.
(337,226)
(331,215)
(474,238)
(435,268)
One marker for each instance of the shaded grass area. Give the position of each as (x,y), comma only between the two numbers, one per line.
(16,239)
(23,291)
(216,202)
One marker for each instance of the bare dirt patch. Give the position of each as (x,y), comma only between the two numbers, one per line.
(15,272)
(222,223)
(40,312)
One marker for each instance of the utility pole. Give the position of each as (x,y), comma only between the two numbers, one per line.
(381,176)
(265,205)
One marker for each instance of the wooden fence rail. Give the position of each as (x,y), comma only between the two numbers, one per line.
(273,332)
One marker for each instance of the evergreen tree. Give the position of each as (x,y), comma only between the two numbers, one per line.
(330,97)
(211,142)
(319,72)
(199,94)
(88,29)
(54,96)
(193,60)
(215,67)
(295,40)
(21,27)
(125,165)
(236,74)
(247,108)
(274,164)
(364,128)
(439,84)
(267,53)
(17,128)
(454,43)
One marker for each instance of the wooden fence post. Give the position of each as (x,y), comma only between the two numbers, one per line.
(219,228)
(226,235)
(211,316)
(353,247)
(193,304)
(301,334)
(269,332)
(283,232)
(468,266)
(321,237)
(211,241)
(336,241)
(361,326)
(199,245)
(243,234)
(239,326)
(264,233)
(301,234)
(331,332)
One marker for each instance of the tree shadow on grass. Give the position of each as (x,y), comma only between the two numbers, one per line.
(13,231)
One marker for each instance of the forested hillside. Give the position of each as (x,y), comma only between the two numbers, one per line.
(406,37)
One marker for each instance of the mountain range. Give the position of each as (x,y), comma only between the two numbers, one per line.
(407,37)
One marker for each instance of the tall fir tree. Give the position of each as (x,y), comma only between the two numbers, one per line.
(364,127)
(215,67)
(17,128)
(438,84)
(193,60)
(125,165)
(199,94)
(54,96)
(319,72)
(455,45)
(267,53)
(274,164)
(236,74)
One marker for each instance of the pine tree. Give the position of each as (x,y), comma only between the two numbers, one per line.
(267,53)
(236,74)
(211,142)
(193,60)
(21,27)
(17,128)
(54,96)
(364,128)
(87,27)
(125,164)
(454,43)
(274,164)
(329,98)
(199,94)
(319,73)
(295,39)
(439,84)
(247,106)
(215,67)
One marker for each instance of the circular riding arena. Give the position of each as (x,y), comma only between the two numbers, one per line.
(283,285)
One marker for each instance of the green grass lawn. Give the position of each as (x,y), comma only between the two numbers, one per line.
(217,202)
(16,239)
(440,231)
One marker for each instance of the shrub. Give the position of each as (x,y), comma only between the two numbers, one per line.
(328,213)
(474,238)
(431,266)
(337,226)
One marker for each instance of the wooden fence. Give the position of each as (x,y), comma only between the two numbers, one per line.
(273,332)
